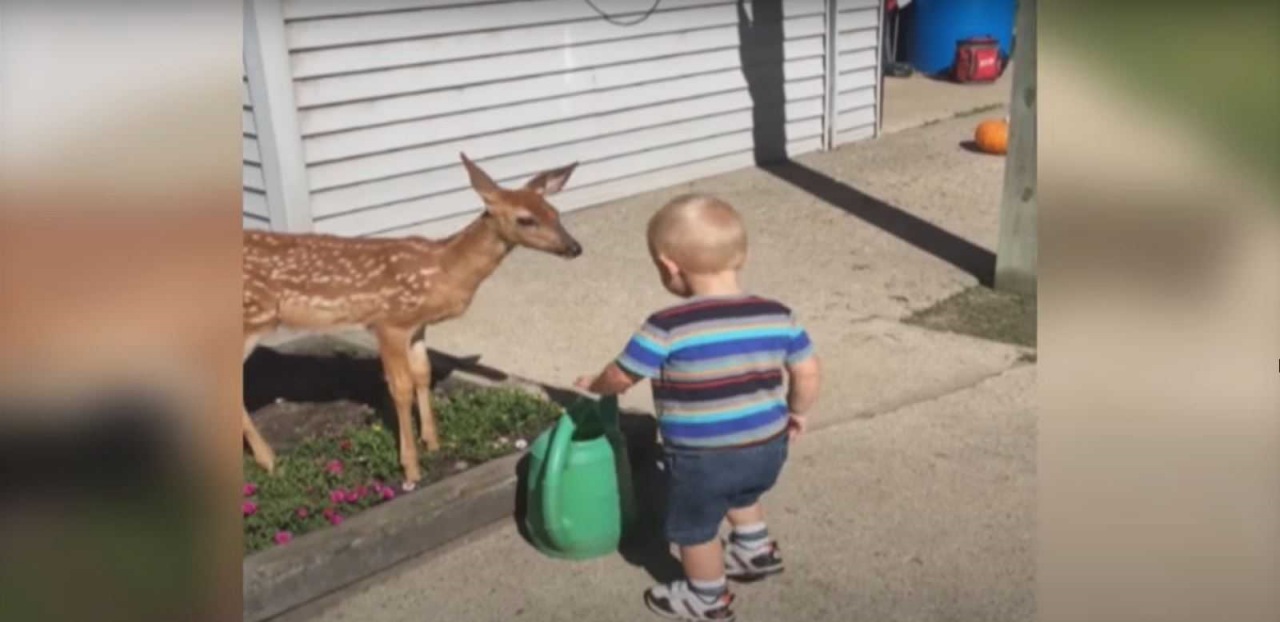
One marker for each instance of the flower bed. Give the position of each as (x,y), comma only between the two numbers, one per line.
(323,480)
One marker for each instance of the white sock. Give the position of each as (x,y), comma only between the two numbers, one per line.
(751,537)
(708,591)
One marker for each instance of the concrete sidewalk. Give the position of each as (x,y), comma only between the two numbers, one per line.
(917,503)
(926,513)
(918,100)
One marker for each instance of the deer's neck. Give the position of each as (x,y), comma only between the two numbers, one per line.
(474,253)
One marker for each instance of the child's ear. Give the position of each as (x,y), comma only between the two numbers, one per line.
(669,266)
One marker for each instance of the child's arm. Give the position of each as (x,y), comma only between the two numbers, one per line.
(611,381)
(806,380)
(642,358)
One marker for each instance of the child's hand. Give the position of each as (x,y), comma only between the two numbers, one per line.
(796,426)
(611,381)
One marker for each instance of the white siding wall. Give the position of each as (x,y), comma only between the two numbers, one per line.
(389,91)
(255,197)
(858,60)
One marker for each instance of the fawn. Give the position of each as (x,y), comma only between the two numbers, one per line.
(394,287)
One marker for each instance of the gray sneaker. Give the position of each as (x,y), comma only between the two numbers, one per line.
(677,601)
(747,565)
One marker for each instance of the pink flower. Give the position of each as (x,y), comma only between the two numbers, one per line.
(335,519)
(303,512)
(338,495)
(333,467)
(283,537)
(329,513)
(351,496)
(388,493)
(362,492)
(249,508)
(250,489)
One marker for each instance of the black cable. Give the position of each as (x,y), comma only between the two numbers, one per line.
(614,21)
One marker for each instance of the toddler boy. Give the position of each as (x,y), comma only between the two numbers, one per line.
(719,364)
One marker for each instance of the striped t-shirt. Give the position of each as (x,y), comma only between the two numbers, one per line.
(717,366)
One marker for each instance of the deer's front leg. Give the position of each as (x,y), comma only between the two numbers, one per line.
(421,368)
(394,347)
(262,453)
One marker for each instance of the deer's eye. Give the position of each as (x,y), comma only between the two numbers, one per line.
(526,221)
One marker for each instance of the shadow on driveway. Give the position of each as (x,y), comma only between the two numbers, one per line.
(760,44)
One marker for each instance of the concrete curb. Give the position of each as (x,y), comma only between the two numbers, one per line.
(279,580)
(915,398)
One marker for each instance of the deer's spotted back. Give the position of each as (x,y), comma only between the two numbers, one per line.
(316,280)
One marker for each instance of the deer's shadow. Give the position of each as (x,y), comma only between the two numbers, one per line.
(316,384)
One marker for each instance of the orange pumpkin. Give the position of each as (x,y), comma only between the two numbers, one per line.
(992,136)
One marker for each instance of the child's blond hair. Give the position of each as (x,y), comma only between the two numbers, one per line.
(700,233)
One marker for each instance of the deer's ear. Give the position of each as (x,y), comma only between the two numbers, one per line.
(552,181)
(480,181)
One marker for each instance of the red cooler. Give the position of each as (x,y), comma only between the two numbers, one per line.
(978,60)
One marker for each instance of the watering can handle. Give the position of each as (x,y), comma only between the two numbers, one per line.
(557,454)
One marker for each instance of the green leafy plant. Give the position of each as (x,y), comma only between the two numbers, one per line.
(480,425)
(324,481)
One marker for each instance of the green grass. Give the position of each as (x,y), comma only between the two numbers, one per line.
(1212,68)
(984,313)
(325,480)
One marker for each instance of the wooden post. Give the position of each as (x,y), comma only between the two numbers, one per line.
(284,170)
(1016,254)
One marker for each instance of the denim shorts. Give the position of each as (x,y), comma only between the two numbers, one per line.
(703,485)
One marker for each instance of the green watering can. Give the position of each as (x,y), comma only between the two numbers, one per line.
(580,501)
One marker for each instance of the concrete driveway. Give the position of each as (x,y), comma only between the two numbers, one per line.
(915,501)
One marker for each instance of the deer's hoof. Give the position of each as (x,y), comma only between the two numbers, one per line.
(411,477)
(268,464)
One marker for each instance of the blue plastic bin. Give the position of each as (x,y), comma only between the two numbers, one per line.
(934,27)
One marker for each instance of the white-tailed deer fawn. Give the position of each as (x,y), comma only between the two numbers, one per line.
(395,288)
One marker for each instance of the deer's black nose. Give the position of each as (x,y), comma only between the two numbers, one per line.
(574,250)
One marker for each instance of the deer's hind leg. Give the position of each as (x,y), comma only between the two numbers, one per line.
(393,345)
(258,447)
(420,365)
